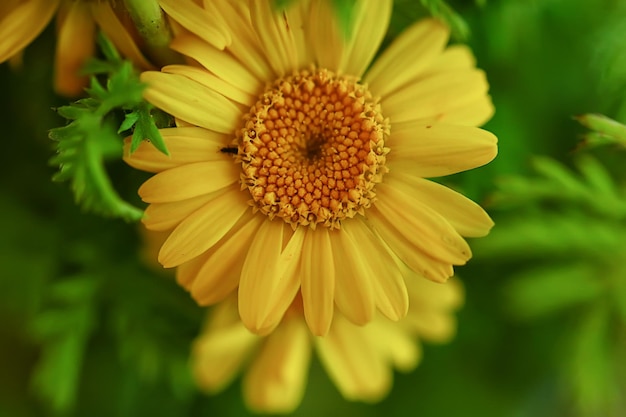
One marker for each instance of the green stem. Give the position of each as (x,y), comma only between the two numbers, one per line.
(154,29)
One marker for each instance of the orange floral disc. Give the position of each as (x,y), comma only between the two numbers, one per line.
(312,149)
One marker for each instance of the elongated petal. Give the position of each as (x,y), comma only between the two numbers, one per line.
(428,231)
(433,97)
(325,36)
(269,279)
(208,26)
(389,289)
(467,217)
(166,216)
(188,181)
(277,377)
(318,280)
(438,150)
(407,57)
(276,37)
(75,45)
(354,291)
(186,145)
(220,273)
(404,247)
(399,346)
(23,24)
(475,113)
(370,22)
(219,353)
(207,79)
(352,363)
(202,229)
(222,64)
(191,101)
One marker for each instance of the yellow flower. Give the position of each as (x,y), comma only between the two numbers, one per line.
(358,359)
(21,21)
(282,114)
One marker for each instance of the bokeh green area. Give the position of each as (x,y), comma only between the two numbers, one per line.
(86,329)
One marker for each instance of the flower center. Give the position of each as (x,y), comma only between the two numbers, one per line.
(312,149)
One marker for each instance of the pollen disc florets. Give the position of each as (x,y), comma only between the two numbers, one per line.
(312,149)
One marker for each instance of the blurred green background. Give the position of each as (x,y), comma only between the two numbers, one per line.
(87,330)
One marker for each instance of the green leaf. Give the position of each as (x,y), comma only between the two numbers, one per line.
(146,129)
(590,369)
(63,330)
(552,289)
(548,236)
(92,136)
(81,150)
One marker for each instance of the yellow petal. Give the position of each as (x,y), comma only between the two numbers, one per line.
(220,273)
(475,113)
(370,21)
(318,280)
(245,45)
(188,181)
(277,377)
(404,247)
(75,45)
(208,25)
(352,363)
(217,84)
(276,36)
(222,64)
(354,292)
(467,217)
(218,354)
(191,101)
(388,284)
(426,229)
(435,96)
(438,150)
(269,279)
(22,24)
(453,58)
(186,145)
(166,216)
(395,342)
(325,37)
(203,228)
(407,57)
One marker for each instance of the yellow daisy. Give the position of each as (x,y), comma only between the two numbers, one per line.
(21,21)
(299,165)
(358,359)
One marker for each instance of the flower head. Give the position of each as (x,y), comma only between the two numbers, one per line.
(358,359)
(295,169)
(21,21)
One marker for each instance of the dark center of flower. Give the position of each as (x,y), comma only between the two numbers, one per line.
(312,149)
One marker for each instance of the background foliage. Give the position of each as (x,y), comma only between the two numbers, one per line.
(89,330)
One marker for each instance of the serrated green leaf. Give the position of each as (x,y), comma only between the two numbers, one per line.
(145,129)
(107,48)
(129,121)
(559,175)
